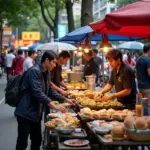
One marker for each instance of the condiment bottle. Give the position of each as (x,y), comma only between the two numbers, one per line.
(139,105)
(145,106)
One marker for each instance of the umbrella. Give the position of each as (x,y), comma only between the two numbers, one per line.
(131,20)
(35,46)
(57,46)
(131,46)
(83,32)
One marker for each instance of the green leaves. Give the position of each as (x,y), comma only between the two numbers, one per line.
(16,12)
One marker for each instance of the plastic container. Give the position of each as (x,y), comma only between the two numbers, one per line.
(138,135)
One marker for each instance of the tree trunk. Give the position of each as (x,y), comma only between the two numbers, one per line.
(86,12)
(70,18)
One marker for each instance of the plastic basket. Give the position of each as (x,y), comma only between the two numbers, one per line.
(138,135)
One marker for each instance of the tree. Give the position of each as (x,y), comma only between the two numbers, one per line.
(69,5)
(14,12)
(86,12)
(122,3)
(38,24)
(50,13)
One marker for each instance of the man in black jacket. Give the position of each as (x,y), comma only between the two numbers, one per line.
(34,91)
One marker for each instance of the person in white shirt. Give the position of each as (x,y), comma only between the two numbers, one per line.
(29,61)
(125,55)
(9,58)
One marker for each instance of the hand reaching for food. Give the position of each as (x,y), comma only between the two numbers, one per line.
(98,96)
(107,97)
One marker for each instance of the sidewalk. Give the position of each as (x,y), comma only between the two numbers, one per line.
(3,79)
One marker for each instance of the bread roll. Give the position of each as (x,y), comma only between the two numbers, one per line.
(86,110)
(140,123)
(148,122)
(129,122)
(118,133)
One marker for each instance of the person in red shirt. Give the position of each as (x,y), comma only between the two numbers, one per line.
(17,64)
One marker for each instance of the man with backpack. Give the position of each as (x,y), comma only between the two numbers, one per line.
(17,64)
(34,90)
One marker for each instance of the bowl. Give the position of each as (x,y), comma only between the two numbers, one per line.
(101,130)
(64,130)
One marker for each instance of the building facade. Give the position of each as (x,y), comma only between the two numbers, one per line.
(103,7)
(76,13)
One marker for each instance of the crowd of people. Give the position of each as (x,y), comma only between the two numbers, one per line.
(42,83)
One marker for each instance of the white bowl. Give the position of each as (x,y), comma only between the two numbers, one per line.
(101,130)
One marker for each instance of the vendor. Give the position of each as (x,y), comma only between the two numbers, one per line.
(122,77)
(90,67)
(56,74)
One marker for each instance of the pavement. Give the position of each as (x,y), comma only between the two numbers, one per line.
(8,123)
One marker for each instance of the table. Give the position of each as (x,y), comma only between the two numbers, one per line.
(118,144)
(61,146)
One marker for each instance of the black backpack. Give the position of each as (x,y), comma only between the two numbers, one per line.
(12,91)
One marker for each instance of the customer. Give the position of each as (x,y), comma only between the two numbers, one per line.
(125,55)
(17,64)
(143,72)
(57,80)
(9,58)
(136,56)
(3,63)
(123,78)
(90,67)
(29,61)
(98,62)
(38,57)
(34,90)
(130,61)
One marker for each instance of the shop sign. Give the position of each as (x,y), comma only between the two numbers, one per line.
(19,42)
(31,36)
(7,31)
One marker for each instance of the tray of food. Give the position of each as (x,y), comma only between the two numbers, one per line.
(69,132)
(108,131)
(76,85)
(91,103)
(80,94)
(109,115)
(68,121)
(61,115)
(62,104)
(76,142)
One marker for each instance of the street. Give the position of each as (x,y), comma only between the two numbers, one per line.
(8,123)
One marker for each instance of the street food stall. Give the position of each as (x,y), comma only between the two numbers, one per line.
(110,123)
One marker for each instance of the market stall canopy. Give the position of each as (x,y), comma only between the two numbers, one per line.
(86,31)
(131,20)
(57,46)
(131,46)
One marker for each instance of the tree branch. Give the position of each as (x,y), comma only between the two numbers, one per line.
(44,16)
(48,12)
